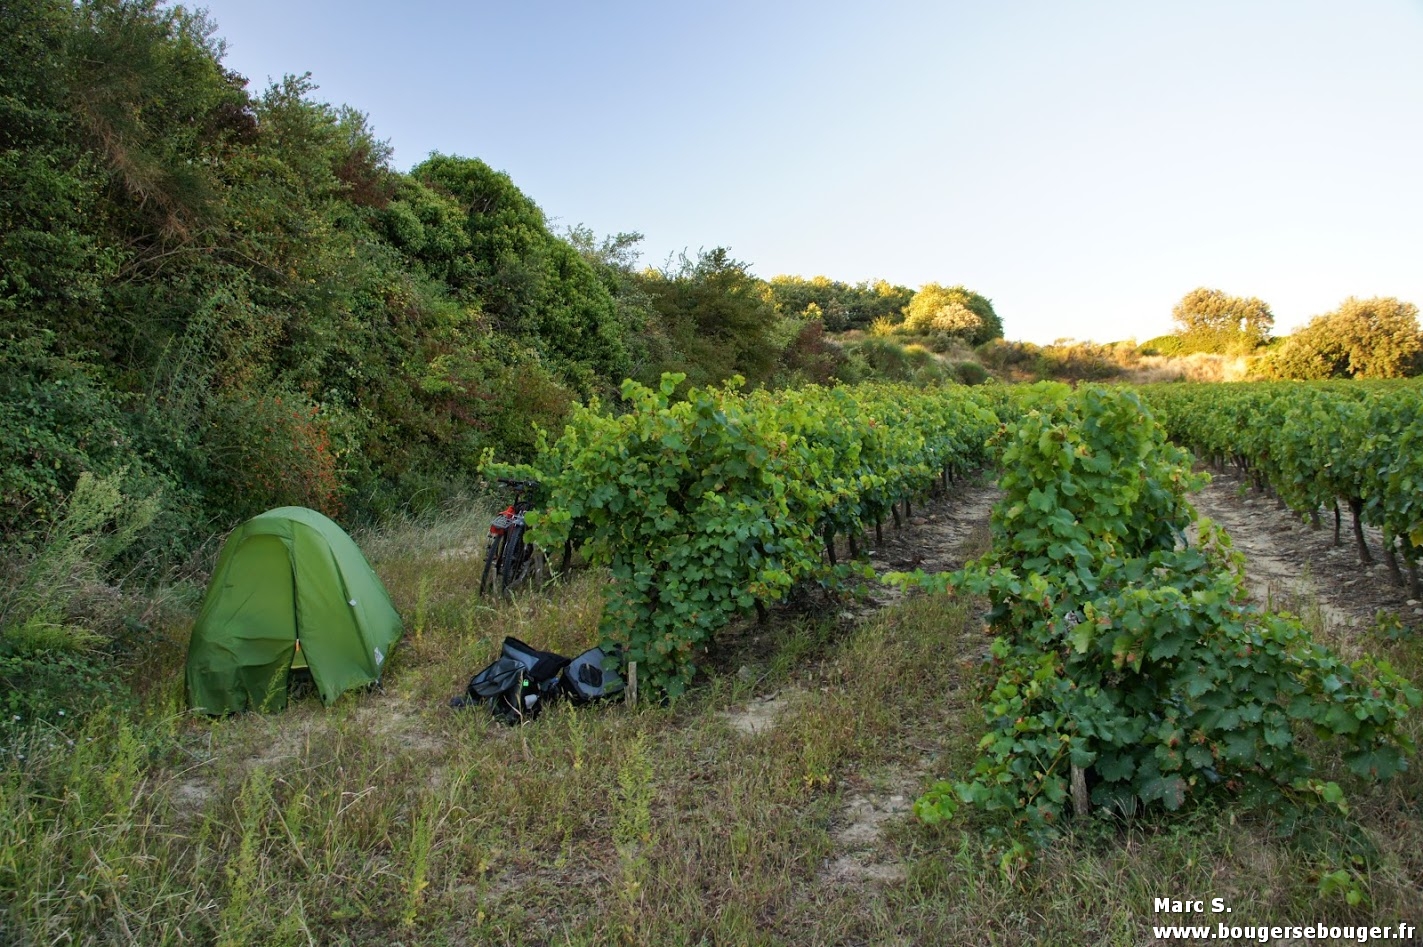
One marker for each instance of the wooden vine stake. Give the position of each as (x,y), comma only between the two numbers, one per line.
(631,693)
(1080,802)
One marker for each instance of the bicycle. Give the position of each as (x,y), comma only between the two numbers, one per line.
(508,558)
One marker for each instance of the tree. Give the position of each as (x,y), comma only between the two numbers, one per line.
(1363,338)
(1379,336)
(717,318)
(953,310)
(879,300)
(1209,320)
(615,261)
(533,285)
(840,305)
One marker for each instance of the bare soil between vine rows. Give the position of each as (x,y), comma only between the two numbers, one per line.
(939,535)
(1294,567)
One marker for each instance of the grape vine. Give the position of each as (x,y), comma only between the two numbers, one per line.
(704,507)
(1318,446)
(1134,657)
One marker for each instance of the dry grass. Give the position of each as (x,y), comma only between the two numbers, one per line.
(391,819)
(1199,366)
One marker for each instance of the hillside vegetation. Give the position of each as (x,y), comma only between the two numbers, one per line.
(232,297)
(216,300)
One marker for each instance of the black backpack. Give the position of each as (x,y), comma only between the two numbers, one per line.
(517,685)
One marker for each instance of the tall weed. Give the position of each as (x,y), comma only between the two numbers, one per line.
(98,522)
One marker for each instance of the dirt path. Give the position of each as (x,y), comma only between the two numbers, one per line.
(1292,566)
(937,534)
(939,537)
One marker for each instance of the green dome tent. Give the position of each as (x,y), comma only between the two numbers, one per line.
(290,588)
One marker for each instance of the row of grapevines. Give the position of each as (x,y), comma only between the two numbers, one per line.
(1317,445)
(712,505)
(1134,657)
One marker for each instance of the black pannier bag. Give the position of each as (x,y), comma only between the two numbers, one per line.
(516,686)
(501,687)
(543,666)
(586,678)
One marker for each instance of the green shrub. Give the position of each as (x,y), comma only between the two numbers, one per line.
(57,420)
(1363,338)
(1000,355)
(50,629)
(1164,345)
(971,373)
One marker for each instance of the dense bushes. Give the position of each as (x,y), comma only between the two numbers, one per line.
(233,297)
(1363,338)
(840,306)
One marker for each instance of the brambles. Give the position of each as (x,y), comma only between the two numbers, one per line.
(1135,657)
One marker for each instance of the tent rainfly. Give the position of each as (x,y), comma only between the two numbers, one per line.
(291,589)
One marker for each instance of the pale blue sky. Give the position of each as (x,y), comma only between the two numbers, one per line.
(1083,165)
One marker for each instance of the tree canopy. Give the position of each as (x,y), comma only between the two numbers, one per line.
(532,285)
(1210,320)
(953,310)
(716,317)
(1363,338)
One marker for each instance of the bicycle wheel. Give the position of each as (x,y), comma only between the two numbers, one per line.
(493,554)
(518,558)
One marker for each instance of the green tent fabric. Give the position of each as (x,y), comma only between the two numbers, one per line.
(289,585)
